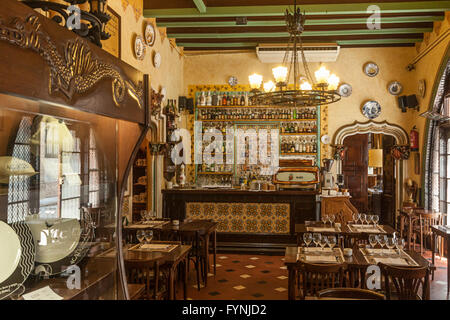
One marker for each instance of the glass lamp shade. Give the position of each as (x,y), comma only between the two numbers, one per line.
(322,75)
(269,86)
(255,80)
(376,158)
(333,82)
(306,86)
(280,74)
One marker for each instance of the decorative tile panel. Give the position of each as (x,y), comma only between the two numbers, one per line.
(243,217)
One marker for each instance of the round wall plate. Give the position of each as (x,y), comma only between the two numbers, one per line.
(395,88)
(371,69)
(232,81)
(139,48)
(164,93)
(10,254)
(371,109)
(345,90)
(157,60)
(150,34)
(325,139)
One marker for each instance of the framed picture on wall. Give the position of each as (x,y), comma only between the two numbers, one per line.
(113,27)
(417,163)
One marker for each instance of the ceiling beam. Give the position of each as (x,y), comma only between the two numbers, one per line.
(200,6)
(304,34)
(273,23)
(254,44)
(277,10)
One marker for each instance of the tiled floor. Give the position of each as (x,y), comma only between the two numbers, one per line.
(253,277)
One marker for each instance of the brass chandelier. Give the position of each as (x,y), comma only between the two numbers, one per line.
(305,92)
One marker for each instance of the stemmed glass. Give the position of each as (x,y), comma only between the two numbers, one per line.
(355,217)
(373,240)
(140,235)
(332,242)
(316,238)
(390,243)
(363,218)
(382,239)
(375,219)
(323,242)
(307,237)
(143,215)
(148,234)
(400,244)
(331,218)
(324,219)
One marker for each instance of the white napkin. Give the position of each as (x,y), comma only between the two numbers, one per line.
(315,249)
(321,259)
(45,293)
(320,229)
(392,261)
(155,246)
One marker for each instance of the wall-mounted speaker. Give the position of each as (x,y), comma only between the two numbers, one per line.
(412,102)
(190,105)
(402,103)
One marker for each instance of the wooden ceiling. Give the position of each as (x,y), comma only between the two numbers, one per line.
(211,24)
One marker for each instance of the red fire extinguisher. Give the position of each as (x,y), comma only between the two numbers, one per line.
(414,139)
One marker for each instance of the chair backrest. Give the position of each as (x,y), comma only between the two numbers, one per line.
(350,293)
(427,220)
(316,277)
(142,272)
(407,282)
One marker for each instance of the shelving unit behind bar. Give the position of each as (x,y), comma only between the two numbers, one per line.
(278,117)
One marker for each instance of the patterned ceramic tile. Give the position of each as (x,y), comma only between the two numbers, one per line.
(254,258)
(280,289)
(250,266)
(245,276)
(240,287)
(283,267)
(223,257)
(282,277)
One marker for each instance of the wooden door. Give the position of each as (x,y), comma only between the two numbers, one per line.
(388,196)
(354,169)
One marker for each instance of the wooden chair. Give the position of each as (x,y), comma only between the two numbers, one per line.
(422,228)
(350,293)
(406,282)
(147,273)
(316,277)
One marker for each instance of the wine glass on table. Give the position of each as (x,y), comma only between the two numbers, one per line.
(390,243)
(400,245)
(324,219)
(316,238)
(373,240)
(307,238)
(148,234)
(382,239)
(355,217)
(332,242)
(375,220)
(323,242)
(331,218)
(363,218)
(140,235)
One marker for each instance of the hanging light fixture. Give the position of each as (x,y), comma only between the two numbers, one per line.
(305,91)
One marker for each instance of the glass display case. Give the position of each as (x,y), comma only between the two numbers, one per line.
(58,202)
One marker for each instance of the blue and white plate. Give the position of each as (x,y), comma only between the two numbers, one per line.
(371,109)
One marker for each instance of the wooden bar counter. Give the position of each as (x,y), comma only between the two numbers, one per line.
(252,220)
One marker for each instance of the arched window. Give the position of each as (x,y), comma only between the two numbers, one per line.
(437,162)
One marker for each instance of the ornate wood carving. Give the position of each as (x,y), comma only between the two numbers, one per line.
(401,152)
(339,151)
(77,70)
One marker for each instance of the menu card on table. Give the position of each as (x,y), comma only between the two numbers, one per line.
(389,257)
(319,255)
(45,293)
(323,229)
(161,247)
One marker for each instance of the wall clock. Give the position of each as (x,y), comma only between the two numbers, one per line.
(232,81)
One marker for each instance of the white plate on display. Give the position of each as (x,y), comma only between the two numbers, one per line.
(325,139)
(164,93)
(10,251)
(17,252)
(395,88)
(371,109)
(55,239)
(157,60)
(371,69)
(150,35)
(345,90)
(139,48)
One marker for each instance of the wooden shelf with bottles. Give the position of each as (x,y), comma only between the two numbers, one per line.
(298,154)
(298,134)
(216,173)
(140,182)
(258,120)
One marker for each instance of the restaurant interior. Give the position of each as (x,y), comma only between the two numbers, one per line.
(224,150)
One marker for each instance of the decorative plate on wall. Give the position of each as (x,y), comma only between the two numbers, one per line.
(345,90)
(371,109)
(371,69)
(164,93)
(395,88)
(139,48)
(17,258)
(232,81)
(157,60)
(422,88)
(150,34)
(325,139)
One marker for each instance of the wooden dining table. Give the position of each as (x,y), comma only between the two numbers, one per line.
(355,262)
(206,230)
